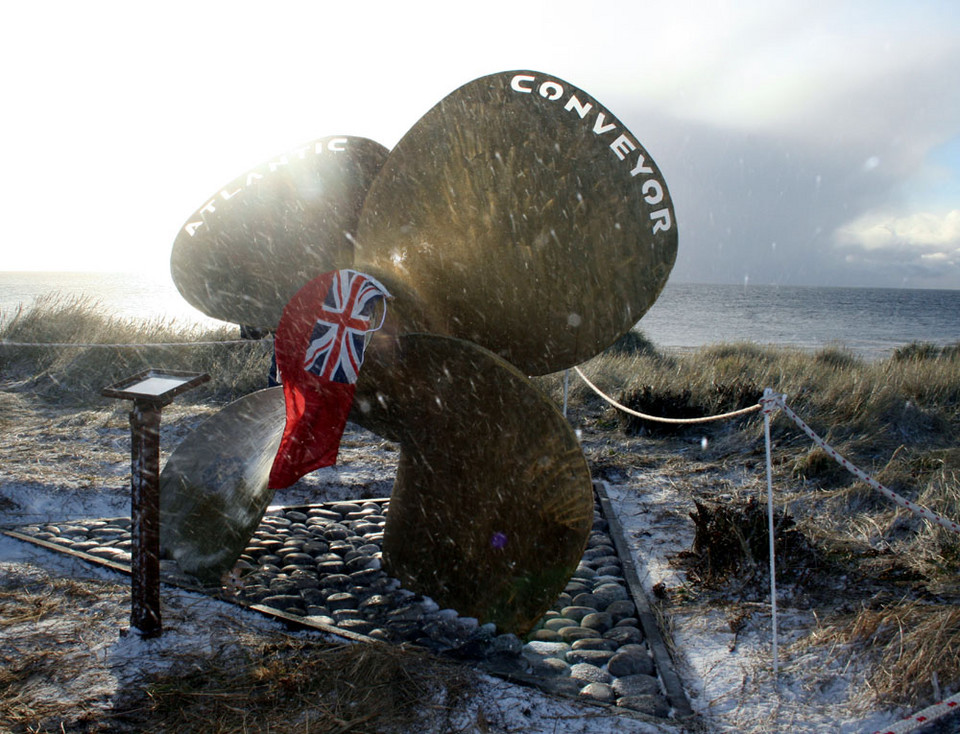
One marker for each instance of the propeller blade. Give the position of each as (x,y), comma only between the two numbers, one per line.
(493,503)
(265,234)
(213,488)
(525,218)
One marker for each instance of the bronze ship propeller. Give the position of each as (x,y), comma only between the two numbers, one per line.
(520,229)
